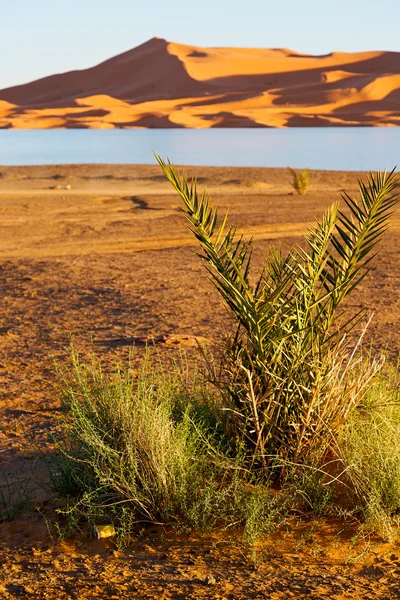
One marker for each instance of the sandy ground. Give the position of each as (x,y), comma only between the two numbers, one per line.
(164,84)
(109,260)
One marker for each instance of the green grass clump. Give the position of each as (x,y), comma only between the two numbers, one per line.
(300,181)
(149,448)
(370,447)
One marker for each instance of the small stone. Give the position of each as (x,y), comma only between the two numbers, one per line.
(210,580)
(68,186)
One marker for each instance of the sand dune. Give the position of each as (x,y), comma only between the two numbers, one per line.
(163,84)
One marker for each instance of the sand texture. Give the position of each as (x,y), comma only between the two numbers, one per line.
(161,84)
(110,261)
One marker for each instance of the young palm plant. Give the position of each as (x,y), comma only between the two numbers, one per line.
(289,376)
(300,181)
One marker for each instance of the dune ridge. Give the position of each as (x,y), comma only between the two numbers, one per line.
(164,84)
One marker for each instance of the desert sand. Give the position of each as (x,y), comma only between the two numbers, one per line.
(163,84)
(110,262)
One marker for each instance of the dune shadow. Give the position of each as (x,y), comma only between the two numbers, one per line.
(230,119)
(95,112)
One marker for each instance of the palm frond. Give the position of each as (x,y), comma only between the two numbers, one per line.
(357,234)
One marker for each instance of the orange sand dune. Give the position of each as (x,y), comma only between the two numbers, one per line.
(163,84)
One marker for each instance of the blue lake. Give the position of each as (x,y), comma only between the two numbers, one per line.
(350,148)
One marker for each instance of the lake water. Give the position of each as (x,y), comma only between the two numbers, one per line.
(350,148)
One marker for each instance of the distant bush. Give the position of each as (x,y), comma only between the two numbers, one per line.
(300,181)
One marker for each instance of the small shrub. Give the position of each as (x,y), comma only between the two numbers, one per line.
(300,181)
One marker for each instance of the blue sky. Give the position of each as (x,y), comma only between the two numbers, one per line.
(42,37)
